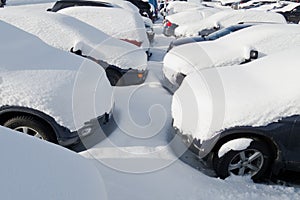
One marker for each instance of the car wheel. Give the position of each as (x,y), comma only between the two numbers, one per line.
(114,77)
(254,161)
(31,126)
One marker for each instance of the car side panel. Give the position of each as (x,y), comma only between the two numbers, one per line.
(293,149)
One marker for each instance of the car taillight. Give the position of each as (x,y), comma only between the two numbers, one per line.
(168,24)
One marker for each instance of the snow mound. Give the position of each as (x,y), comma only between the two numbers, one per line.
(35,169)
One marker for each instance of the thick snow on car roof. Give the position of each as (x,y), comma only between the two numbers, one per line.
(35,169)
(65,32)
(44,78)
(228,18)
(179,6)
(116,22)
(255,94)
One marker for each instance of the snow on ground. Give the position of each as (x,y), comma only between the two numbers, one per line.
(34,169)
(140,146)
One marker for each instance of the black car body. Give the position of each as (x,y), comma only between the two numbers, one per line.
(282,139)
(293,15)
(144,8)
(212,36)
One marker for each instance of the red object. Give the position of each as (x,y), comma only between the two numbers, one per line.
(168,24)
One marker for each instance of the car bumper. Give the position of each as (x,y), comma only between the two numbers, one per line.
(133,77)
(169,30)
(170,87)
(92,127)
(182,146)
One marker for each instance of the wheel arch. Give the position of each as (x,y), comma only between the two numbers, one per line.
(272,145)
(8,112)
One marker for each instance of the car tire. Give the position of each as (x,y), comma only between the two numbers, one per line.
(114,77)
(239,163)
(32,126)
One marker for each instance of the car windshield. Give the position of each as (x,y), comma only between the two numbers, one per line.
(218,34)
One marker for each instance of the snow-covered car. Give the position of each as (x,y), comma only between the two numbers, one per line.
(34,169)
(171,22)
(180,6)
(291,12)
(212,36)
(256,3)
(43,90)
(243,120)
(116,22)
(124,63)
(227,18)
(236,48)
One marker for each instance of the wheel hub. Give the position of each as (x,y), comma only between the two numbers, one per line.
(249,161)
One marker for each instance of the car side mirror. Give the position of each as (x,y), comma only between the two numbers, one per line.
(253,54)
(49,10)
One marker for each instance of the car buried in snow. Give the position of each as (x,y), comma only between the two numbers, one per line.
(48,93)
(124,63)
(239,47)
(242,120)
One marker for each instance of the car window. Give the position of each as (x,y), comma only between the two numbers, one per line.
(218,34)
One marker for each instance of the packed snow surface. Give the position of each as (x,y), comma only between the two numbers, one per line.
(255,94)
(65,32)
(58,83)
(228,18)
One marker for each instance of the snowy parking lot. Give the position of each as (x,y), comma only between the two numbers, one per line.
(137,162)
(138,159)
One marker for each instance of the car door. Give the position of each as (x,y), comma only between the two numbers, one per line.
(293,149)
